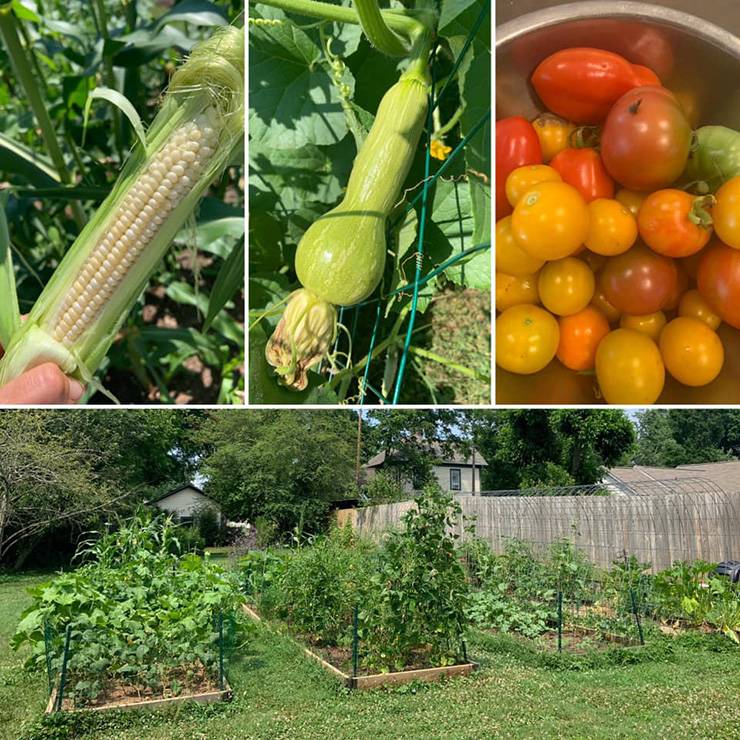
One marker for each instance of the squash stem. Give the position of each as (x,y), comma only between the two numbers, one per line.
(376,29)
(418,68)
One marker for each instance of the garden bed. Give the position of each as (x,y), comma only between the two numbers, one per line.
(334,659)
(582,640)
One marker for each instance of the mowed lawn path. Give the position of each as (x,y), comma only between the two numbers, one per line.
(280,694)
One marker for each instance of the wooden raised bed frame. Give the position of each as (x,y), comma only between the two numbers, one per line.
(377,680)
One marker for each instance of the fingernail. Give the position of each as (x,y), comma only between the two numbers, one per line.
(76,390)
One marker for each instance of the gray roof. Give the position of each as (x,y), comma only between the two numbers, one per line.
(455,458)
(724,474)
(177,490)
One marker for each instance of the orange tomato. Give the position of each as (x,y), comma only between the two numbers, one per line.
(693,354)
(553,133)
(612,228)
(580,335)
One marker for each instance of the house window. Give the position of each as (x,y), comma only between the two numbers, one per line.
(455,479)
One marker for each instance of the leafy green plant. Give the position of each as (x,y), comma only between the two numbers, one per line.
(140,617)
(494,609)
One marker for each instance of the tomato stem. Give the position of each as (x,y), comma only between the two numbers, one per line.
(700,214)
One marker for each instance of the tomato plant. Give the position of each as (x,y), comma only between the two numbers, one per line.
(629,368)
(646,139)
(550,221)
(527,339)
(726,213)
(612,228)
(692,352)
(517,145)
(718,281)
(582,84)
(584,170)
(566,286)
(639,281)
(580,334)
(675,223)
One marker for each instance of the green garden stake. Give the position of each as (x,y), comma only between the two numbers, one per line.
(560,621)
(221,650)
(47,653)
(63,677)
(355,641)
(633,598)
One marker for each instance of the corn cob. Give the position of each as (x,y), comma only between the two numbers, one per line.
(195,135)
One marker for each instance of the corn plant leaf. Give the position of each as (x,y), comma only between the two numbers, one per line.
(18,160)
(228,280)
(197,12)
(122,103)
(10,315)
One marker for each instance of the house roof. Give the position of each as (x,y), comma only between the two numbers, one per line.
(182,488)
(454,459)
(726,474)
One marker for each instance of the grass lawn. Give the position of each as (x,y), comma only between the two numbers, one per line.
(691,692)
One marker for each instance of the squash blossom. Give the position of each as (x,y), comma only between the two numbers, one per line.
(302,337)
(197,132)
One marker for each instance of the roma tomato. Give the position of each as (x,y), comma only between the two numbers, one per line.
(693,306)
(612,229)
(553,133)
(651,324)
(675,223)
(718,281)
(516,145)
(638,281)
(566,286)
(510,257)
(692,352)
(646,139)
(580,335)
(584,170)
(582,84)
(726,213)
(524,178)
(527,338)
(551,221)
(629,368)
(513,290)
(631,200)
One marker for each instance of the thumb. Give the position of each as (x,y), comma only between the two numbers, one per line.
(44,384)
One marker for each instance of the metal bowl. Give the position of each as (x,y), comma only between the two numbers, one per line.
(698,61)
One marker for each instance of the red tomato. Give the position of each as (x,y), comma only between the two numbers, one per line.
(681,286)
(517,145)
(668,223)
(582,84)
(719,281)
(584,170)
(646,139)
(645,76)
(639,281)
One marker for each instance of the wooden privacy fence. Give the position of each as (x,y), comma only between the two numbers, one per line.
(658,528)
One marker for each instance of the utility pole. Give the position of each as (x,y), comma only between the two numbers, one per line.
(359,444)
(473,470)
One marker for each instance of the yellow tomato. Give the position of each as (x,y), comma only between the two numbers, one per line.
(693,354)
(550,221)
(566,286)
(525,178)
(631,200)
(513,290)
(526,339)
(693,306)
(510,257)
(629,368)
(650,323)
(553,133)
(726,213)
(612,228)
(599,301)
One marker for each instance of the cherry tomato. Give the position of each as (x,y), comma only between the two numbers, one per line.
(526,339)
(525,178)
(646,139)
(553,133)
(510,257)
(629,368)
(551,221)
(513,290)
(566,286)
(674,223)
(692,352)
(584,170)
(727,213)
(516,145)
(612,228)
(693,306)
(593,260)
(599,301)
(582,84)
(631,200)
(681,286)
(580,335)
(719,281)
(638,281)
(691,264)
(651,324)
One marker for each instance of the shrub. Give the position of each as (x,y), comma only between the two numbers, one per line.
(384,488)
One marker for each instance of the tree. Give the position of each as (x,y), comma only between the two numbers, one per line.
(656,444)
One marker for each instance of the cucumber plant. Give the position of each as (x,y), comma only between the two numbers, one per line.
(333,226)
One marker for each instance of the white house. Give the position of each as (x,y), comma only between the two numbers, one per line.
(453,471)
(184,502)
